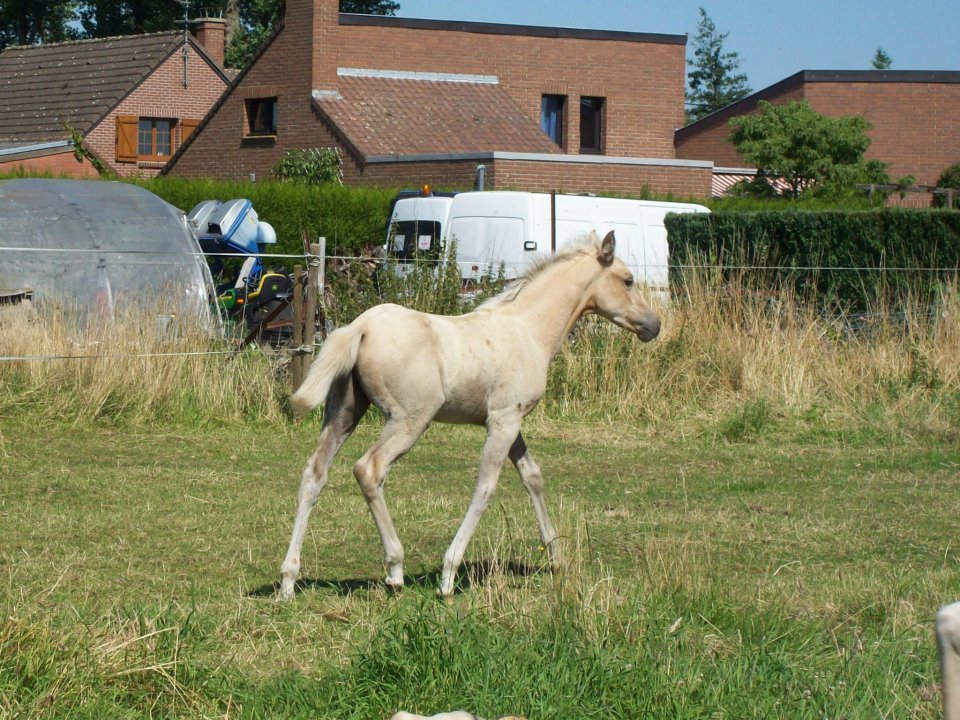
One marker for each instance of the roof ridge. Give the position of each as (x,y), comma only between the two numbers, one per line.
(81,41)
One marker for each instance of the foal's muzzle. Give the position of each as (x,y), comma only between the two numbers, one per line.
(648,328)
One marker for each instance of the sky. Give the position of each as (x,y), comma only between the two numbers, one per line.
(775,39)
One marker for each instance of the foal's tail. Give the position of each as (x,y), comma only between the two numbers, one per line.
(338,355)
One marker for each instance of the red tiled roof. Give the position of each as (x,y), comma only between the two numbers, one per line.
(44,86)
(397,115)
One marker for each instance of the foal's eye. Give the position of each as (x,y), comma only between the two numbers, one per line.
(629,281)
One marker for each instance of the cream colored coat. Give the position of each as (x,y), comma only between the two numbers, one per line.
(487,367)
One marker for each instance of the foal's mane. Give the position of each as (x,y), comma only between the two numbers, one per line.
(538,265)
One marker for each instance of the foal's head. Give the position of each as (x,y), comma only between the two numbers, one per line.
(616,294)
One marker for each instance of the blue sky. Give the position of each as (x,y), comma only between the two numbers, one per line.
(774,39)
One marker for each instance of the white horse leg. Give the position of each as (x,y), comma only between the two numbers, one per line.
(499,439)
(532,479)
(396,438)
(948,641)
(345,406)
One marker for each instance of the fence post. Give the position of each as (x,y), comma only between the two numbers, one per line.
(322,286)
(296,373)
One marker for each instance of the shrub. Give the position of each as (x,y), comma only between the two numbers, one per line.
(856,259)
(950,178)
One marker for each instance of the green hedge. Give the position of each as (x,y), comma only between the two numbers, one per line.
(350,218)
(854,258)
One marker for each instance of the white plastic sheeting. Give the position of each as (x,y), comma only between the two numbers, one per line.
(99,246)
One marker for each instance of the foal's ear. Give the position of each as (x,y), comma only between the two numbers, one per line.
(607,247)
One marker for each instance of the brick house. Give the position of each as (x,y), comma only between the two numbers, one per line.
(407,101)
(133,100)
(915,117)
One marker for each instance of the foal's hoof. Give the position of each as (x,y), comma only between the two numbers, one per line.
(285,593)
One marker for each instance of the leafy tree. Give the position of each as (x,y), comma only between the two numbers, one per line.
(107,18)
(714,81)
(815,154)
(25,22)
(881,60)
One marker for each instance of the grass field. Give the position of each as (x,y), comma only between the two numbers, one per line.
(783,570)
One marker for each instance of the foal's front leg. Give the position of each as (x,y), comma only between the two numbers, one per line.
(532,479)
(500,436)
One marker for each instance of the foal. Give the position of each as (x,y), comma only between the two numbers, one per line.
(487,367)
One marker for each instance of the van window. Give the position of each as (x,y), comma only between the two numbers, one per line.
(412,240)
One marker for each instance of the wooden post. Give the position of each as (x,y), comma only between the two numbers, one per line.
(296,374)
(310,305)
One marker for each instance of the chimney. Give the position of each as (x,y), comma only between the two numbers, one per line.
(210,34)
(314,26)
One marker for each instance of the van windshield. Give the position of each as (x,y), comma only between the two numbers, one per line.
(413,240)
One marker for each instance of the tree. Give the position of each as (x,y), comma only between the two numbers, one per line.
(714,81)
(25,22)
(881,60)
(107,18)
(815,154)
(949,178)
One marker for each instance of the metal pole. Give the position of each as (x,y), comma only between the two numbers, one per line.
(553,221)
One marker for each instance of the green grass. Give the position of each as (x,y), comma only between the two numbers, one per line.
(759,570)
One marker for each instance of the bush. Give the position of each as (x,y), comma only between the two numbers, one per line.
(854,259)
(350,218)
(950,178)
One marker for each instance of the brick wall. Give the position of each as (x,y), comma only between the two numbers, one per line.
(642,82)
(916,125)
(161,95)
(519,173)
(62,164)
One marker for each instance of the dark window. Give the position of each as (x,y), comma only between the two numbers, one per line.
(591,124)
(261,116)
(415,240)
(154,137)
(552,109)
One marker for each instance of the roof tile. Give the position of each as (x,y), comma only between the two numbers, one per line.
(394,116)
(43,86)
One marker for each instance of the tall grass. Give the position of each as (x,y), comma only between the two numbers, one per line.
(129,369)
(732,359)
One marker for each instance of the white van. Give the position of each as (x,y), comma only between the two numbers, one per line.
(502,228)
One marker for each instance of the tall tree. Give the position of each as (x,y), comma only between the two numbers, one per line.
(881,60)
(814,153)
(714,82)
(25,22)
(106,18)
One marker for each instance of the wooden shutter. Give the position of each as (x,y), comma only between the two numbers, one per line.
(127,138)
(187,128)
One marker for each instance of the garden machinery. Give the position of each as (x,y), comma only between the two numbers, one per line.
(255,300)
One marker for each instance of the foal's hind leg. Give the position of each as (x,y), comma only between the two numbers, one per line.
(345,405)
(398,436)
(532,479)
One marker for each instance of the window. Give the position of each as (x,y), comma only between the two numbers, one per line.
(261,116)
(415,240)
(145,139)
(154,138)
(591,124)
(551,117)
